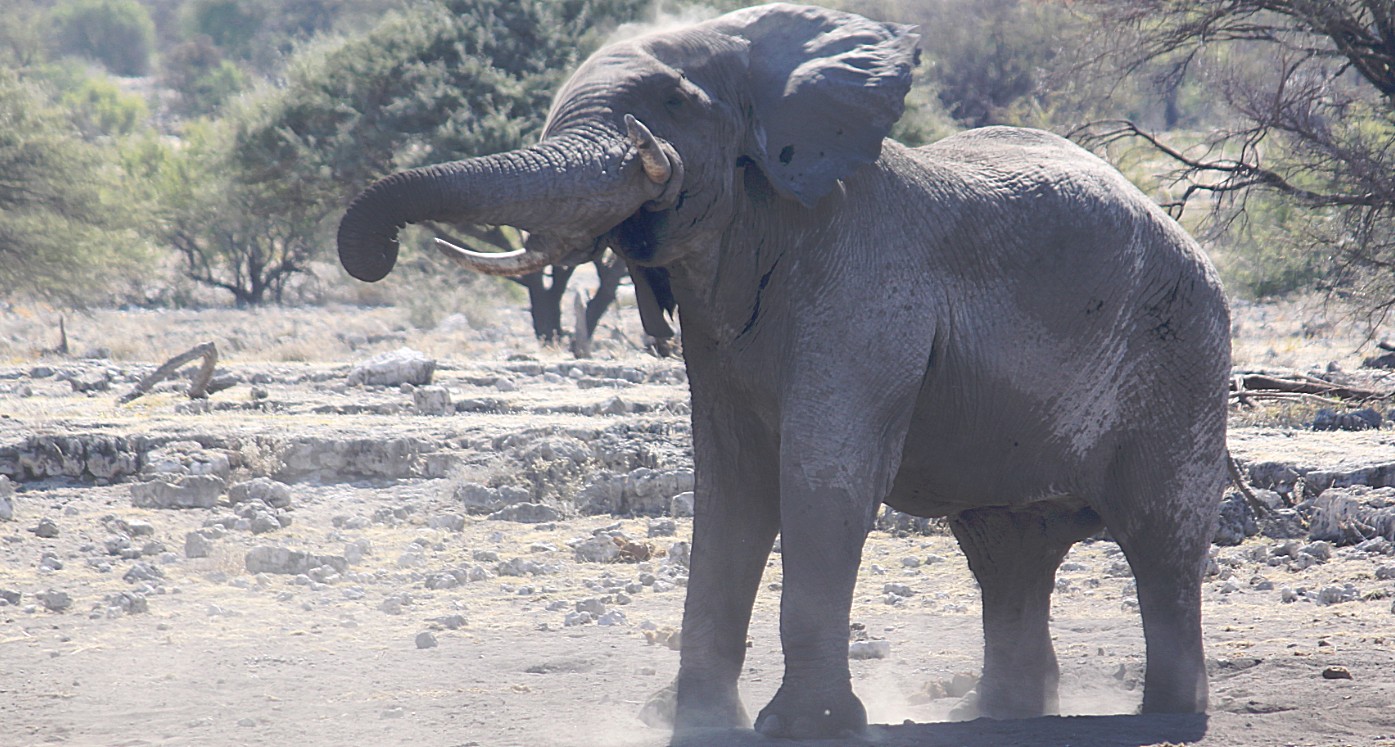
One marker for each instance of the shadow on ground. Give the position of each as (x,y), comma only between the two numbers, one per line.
(1075,731)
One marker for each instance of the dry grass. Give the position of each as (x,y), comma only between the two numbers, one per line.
(1301,334)
(435,315)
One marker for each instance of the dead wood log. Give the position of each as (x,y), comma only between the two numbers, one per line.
(1246,385)
(198,386)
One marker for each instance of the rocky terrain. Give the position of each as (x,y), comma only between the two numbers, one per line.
(380,532)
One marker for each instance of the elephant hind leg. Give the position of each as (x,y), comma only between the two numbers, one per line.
(1165,532)
(1014,554)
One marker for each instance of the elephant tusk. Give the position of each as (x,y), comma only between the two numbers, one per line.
(651,154)
(516,262)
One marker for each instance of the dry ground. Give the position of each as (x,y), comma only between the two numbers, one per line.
(223,656)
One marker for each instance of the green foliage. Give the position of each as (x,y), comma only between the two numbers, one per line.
(247,199)
(1267,255)
(231,25)
(200,76)
(64,232)
(247,238)
(117,33)
(987,58)
(1304,156)
(925,120)
(22,38)
(99,107)
(263,33)
(438,82)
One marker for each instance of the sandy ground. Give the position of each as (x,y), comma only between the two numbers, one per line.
(223,656)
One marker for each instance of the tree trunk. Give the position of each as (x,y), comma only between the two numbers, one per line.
(610,271)
(545,301)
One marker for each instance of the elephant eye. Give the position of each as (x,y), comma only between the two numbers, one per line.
(674,102)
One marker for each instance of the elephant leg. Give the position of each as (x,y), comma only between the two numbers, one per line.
(1014,554)
(1166,544)
(821,546)
(736,517)
(830,487)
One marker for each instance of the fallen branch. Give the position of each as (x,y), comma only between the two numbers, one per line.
(1248,396)
(198,386)
(1243,385)
(1238,479)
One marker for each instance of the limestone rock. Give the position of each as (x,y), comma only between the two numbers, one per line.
(527,513)
(54,601)
(432,400)
(1357,420)
(187,458)
(395,368)
(1346,516)
(1237,521)
(197,544)
(600,549)
(183,491)
(272,493)
(482,499)
(869,649)
(682,505)
(270,559)
(7,506)
(641,492)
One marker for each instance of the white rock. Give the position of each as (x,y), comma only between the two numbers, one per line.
(401,366)
(869,649)
(183,491)
(527,513)
(53,600)
(597,550)
(432,400)
(613,617)
(272,493)
(900,590)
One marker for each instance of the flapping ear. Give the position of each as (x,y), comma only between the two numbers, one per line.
(826,87)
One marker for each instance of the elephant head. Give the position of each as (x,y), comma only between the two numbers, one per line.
(644,142)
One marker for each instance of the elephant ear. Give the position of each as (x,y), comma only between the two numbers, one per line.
(826,88)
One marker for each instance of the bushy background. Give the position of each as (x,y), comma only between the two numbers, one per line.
(175,153)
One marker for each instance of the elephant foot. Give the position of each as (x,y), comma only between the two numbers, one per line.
(967,709)
(1002,706)
(1177,700)
(818,715)
(700,705)
(659,711)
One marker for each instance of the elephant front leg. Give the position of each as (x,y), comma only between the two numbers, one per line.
(736,517)
(731,542)
(823,527)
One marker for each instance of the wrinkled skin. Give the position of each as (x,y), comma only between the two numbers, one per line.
(998,329)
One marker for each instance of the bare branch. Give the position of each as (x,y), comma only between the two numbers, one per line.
(198,386)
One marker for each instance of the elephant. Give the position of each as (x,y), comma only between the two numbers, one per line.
(996,328)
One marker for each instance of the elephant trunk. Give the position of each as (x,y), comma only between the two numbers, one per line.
(564,192)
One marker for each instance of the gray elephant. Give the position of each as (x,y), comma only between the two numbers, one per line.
(997,328)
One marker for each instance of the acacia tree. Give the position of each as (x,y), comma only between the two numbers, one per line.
(1311,87)
(231,230)
(61,229)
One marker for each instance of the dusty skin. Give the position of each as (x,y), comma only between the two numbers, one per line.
(222,656)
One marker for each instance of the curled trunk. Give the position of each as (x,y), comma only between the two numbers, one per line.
(564,191)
